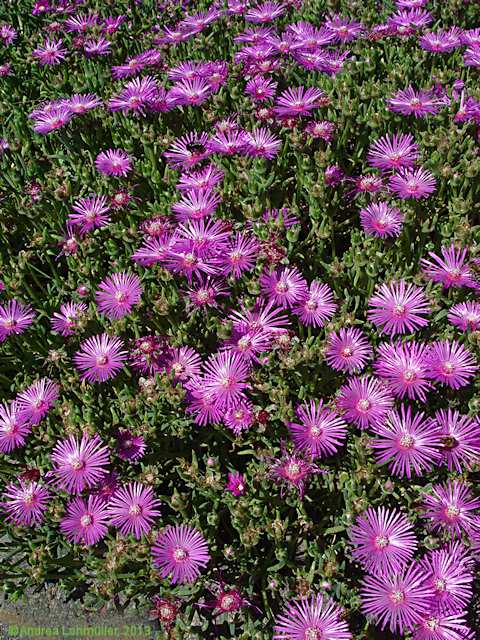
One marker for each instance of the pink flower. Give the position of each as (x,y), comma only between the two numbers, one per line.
(286,286)
(320,432)
(398,307)
(413,183)
(365,401)
(318,305)
(13,427)
(79,464)
(465,315)
(90,213)
(292,470)
(35,402)
(380,220)
(65,321)
(114,162)
(394,152)
(452,270)
(407,441)
(25,503)
(314,617)
(15,317)
(460,436)
(225,376)
(100,357)
(383,541)
(235,484)
(118,293)
(348,350)
(404,367)
(86,521)
(298,102)
(133,508)
(450,363)
(180,551)
(452,507)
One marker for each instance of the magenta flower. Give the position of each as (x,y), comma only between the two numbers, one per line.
(265,12)
(261,143)
(320,431)
(404,367)
(398,601)
(25,504)
(80,103)
(100,357)
(129,446)
(298,102)
(203,404)
(114,162)
(293,471)
(15,317)
(460,439)
(261,89)
(450,363)
(133,509)
(225,378)
(265,317)
(90,213)
(394,152)
(452,269)
(323,129)
(345,30)
(52,119)
(182,552)
(348,350)
(407,441)
(135,96)
(365,401)
(150,354)
(51,53)
(13,427)
(235,484)
(239,417)
(207,178)
(465,315)
(239,255)
(417,103)
(184,363)
(435,626)
(317,307)
(314,617)
(285,287)
(35,402)
(413,183)
(86,521)
(453,508)
(383,541)
(65,321)
(380,220)
(195,205)
(187,151)
(443,41)
(398,307)
(79,464)
(118,293)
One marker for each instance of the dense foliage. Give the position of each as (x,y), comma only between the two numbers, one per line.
(221,440)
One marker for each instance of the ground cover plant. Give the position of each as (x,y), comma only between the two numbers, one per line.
(239,314)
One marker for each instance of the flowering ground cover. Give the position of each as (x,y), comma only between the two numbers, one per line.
(239,313)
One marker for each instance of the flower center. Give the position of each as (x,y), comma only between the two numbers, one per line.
(448,368)
(381,542)
(397,597)
(363,405)
(86,520)
(180,555)
(399,309)
(439,585)
(313,633)
(452,512)
(347,352)
(432,624)
(316,431)
(101,360)
(135,510)
(281,287)
(409,375)
(77,464)
(407,441)
(121,296)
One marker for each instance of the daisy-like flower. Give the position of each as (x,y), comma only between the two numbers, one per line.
(79,464)
(235,484)
(300,101)
(55,118)
(90,213)
(113,162)
(323,129)
(118,294)
(97,47)
(317,307)
(285,287)
(443,41)
(195,205)
(435,626)
(453,508)
(184,363)
(187,151)
(292,470)
(133,509)
(407,442)
(417,103)
(449,576)
(348,350)
(320,431)
(403,366)
(86,521)
(51,53)
(65,321)
(452,269)
(265,12)
(80,103)
(465,315)
(150,354)
(15,317)
(263,317)
(207,178)
(311,618)
(100,357)
(203,404)
(398,601)
(261,89)
(407,22)
(393,152)
(190,92)
(13,427)
(471,57)
(345,30)
(180,552)
(25,504)
(261,143)
(398,307)
(239,417)
(380,220)
(135,95)
(365,401)
(450,363)
(460,436)
(413,183)
(35,402)
(165,611)
(129,446)
(383,541)
(225,376)
(239,255)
